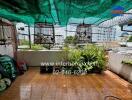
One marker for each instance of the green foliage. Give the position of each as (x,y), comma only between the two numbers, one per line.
(37,47)
(34,47)
(47,46)
(66,49)
(129,62)
(75,40)
(24,42)
(68,39)
(74,55)
(71,40)
(90,59)
(130,39)
(94,56)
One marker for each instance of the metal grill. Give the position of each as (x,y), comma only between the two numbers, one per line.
(84,33)
(44,33)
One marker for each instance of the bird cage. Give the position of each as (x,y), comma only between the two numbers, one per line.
(59,39)
(44,33)
(84,33)
(6,30)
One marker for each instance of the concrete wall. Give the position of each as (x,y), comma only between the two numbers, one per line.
(35,58)
(8,50)
(116,66)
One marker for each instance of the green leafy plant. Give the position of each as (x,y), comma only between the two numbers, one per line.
(37,47)
(71,40)
(129,62)
(75,55)
(34,47)
(24,42)
(130,39)
(91,58)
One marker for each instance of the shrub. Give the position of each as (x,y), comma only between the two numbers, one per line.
(90,59)
(128,62)
(130,39)
(37,47)
(24,42)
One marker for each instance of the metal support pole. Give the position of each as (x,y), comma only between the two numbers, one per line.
(29,36)
(15,41)
(3,32)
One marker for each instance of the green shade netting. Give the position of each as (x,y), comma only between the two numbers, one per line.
(60,11)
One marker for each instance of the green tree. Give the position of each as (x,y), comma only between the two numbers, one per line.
(130,39)
(71,40)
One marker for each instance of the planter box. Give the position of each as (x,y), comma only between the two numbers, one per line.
(115,65)
(46,69)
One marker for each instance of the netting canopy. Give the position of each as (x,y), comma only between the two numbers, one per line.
(60,11)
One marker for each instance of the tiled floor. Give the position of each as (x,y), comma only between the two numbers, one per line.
(35,86)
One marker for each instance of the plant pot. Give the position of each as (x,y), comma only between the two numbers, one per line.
(46,69)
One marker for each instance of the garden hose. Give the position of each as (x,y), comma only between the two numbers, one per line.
(111,97)
(2,85)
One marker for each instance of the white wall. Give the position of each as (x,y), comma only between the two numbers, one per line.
(8,50)
(116,66)
(35,58)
